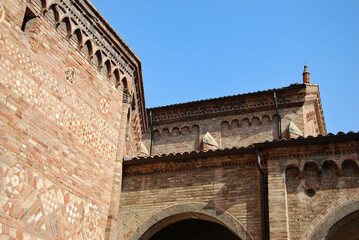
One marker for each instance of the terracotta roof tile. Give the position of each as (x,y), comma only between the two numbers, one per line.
(292,86)
(255,145)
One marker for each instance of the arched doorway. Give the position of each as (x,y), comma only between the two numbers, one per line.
(194,229)
(189,226)
(337,221)
(347,228)
(187,216)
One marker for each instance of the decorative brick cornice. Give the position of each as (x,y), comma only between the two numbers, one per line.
(271,151)
(291,96)
(243,158)
(93,26)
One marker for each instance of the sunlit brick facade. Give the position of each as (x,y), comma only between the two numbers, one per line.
(82,158)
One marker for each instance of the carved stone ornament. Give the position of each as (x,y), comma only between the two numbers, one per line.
(14,181)
(70,75)
(2,12)
(104,105)
(127,98)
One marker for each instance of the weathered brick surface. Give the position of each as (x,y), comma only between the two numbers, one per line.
(294,170)
(229,184)
(242,121)
(59,127)
(309,181)
(72,108)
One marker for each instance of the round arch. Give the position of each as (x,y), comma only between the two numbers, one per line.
(186,211)
(325,227)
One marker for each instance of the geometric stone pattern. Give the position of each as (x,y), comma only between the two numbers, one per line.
(18,200)
(70,113)
(56,148)
(104,105)
(14,181)
(49,202)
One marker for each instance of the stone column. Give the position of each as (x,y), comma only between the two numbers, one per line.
(277,202)
(112,220)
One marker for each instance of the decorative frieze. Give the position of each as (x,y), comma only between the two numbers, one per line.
(232,105)
(78,13)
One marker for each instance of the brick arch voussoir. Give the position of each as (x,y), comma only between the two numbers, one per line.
(307,163)
(266,116)
(348,160)
(322,223)
(258,118)
(117,73)
(233,121)
(101,59)
(185,211)
(176,128)
(61,14)
(81,35)
(111,66)
(243,120)
(69,25)
(225,122)
(338,167)
(193,126)
(87,39)
(55,8)
(294,164)
(73,26)
(46,4)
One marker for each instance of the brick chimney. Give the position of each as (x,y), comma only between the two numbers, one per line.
(306,75)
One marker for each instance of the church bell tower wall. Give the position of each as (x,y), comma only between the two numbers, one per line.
(71,95)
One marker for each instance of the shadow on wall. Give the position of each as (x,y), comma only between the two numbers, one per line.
(194,229)
(177,140)
(75,34)
(234,133)
(189,211)
(328,176)
(222,188)
(244,132)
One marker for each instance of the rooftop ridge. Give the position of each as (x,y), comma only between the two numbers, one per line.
(291,86)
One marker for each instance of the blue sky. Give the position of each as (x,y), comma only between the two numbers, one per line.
(197,49)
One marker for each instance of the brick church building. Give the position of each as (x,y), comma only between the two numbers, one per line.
(81,157)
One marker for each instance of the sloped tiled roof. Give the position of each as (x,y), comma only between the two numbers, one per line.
(290,87)
(266,144)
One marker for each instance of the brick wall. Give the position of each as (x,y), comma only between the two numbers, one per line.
(238,128)
(307,183)
(230,184)
(312,184)
(59,126)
